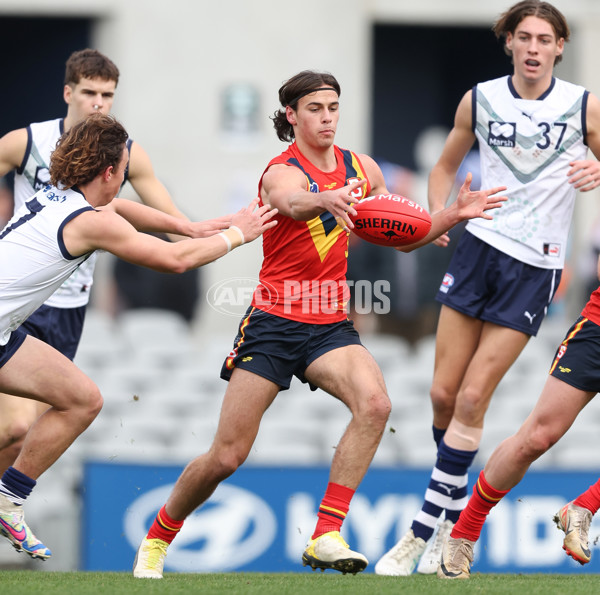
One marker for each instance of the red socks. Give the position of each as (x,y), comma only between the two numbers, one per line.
(333,509)
(590,499)
(164,527)
(472,518)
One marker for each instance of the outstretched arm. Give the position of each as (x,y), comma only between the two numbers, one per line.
(468,205)
(105,229)
(145,218)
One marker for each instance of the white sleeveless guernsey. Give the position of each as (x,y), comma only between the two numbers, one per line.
(30,177)
(527,145)
(35,261)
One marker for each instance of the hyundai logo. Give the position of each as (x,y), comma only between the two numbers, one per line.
(231,529)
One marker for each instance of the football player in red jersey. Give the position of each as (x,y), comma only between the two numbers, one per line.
(297,324)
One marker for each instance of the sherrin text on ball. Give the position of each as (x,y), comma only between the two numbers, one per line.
(390,220)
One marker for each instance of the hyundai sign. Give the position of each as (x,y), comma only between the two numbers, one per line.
(261,518)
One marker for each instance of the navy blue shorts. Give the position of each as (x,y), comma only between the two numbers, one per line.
(277,349)
(14,342)
(577,359)
(485,283)
(60,328)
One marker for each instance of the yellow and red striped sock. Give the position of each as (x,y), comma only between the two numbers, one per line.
(164,527)
(472,518)
(333,508)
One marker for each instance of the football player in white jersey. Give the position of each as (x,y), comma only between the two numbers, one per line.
(46,240)
(534,132)
(89,87)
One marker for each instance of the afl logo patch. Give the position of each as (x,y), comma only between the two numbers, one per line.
(447,283)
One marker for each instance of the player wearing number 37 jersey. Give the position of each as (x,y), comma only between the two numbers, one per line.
(533,132)
(528,145)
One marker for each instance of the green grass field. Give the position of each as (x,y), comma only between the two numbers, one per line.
(17,582)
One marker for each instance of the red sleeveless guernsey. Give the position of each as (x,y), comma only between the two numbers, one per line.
(303,275)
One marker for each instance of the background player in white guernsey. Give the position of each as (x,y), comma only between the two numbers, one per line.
(533,131)
(90,82)
(49,237)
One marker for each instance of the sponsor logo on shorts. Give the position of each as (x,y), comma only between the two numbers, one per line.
(447,283)
(564,370)
(529,316)
(502,134)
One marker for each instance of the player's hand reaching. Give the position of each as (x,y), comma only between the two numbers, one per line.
(584,174)
(475,203)
(210,227)
(253,222)
(339,202)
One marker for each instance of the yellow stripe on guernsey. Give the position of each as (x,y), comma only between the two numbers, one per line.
(324,229)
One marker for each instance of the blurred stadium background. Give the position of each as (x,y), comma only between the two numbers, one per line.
(198,82)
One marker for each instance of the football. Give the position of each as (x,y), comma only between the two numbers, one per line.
(390,220)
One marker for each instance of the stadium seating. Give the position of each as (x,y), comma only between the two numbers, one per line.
(157,372)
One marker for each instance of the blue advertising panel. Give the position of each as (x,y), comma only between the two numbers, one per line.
(260,519)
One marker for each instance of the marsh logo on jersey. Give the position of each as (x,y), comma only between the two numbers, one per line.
(502,134)
(42,177)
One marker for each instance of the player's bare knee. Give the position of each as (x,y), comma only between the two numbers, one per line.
(442,401)
(89,401)
(15,432)
(227,459)
(537,442)
(376,409)
(471,406)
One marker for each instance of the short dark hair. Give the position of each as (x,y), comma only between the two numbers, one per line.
(509,20)
(303,83)
(90,64)
(87,149)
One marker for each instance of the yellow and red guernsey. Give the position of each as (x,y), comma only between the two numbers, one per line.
(303,276)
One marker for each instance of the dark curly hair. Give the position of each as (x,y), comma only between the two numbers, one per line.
(86,150)
(292,91)
(509,21)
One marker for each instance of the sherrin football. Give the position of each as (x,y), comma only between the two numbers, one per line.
(390,220)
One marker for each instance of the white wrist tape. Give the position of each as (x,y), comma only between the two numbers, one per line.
(233,237)
(236,228)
